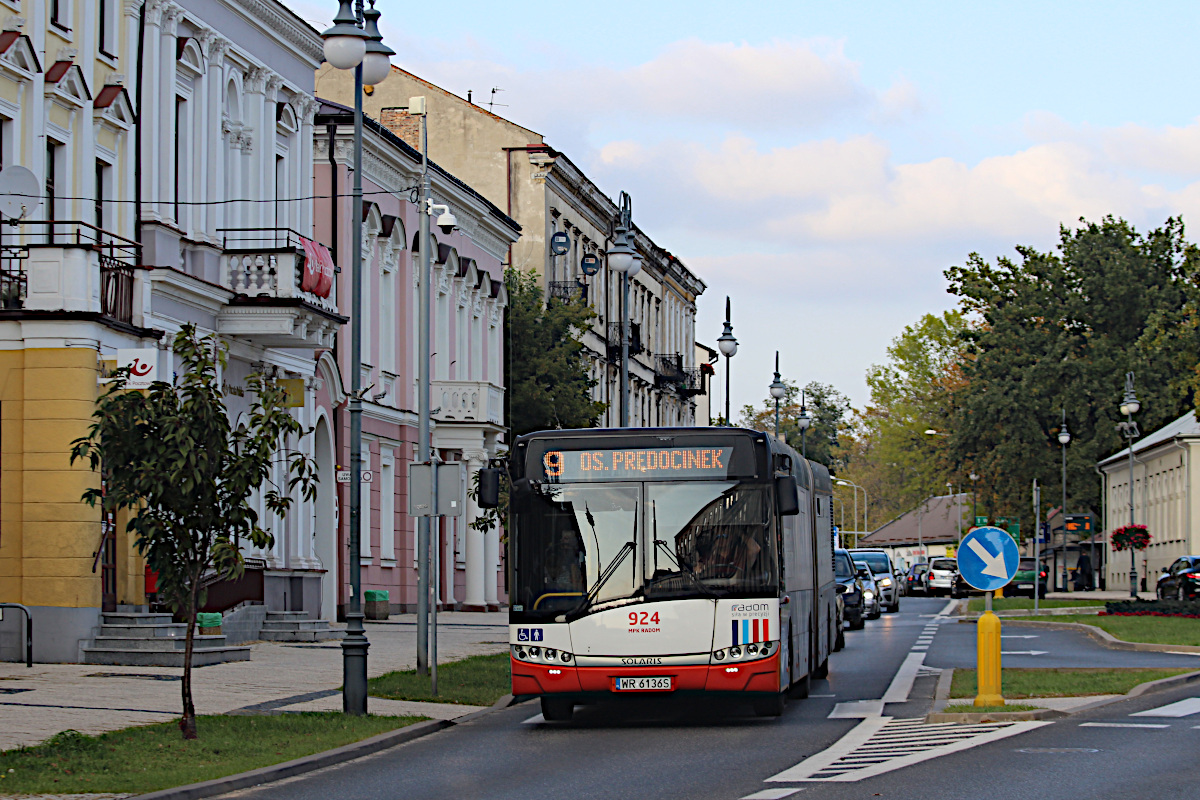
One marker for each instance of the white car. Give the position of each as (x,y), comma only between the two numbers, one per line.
(940,578)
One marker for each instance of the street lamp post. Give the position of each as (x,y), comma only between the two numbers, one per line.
(1129,429)
(778,391)
(354,43)
(856,489)
(1064,438)
(728,345)
(804,420)
(974,505)
(622,258)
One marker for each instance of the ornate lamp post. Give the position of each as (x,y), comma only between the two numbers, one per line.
(856,489)
(1129,429)
(354,42)
(778,391)
(1064,438)
(622,258)
(728,345)
(804,421)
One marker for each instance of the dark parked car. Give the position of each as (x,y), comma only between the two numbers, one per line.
(914,579)
(851,590)
(1029,572)
(963,589)
(1181,580)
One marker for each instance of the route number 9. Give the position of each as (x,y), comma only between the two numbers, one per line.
(553,463)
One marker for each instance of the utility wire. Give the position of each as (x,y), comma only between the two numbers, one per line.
(412,190)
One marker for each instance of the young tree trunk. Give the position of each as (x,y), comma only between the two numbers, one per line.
(187,723)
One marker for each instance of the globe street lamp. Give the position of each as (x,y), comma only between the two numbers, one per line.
(354,42)
(804,420)
(1064,438)
(1129,429)
(727,344)
(778,391)
(622,258)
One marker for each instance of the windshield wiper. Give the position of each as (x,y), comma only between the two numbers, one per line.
(618,559)
(683,570)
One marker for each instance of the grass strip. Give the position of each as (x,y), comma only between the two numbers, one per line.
(1153,630)
(975,605)
(152,757)
(1022,683)
(474,681)
(970,709)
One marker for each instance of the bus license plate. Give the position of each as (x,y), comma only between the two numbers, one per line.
(643,684)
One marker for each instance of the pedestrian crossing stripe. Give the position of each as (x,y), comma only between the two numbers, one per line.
(1184,708)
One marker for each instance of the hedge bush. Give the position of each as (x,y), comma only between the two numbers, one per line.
(1153,608)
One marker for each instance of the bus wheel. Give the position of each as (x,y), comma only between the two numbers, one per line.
(771,706)
(557,709)
(822,672)
(840,641)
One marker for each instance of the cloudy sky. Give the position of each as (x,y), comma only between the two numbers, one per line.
(822,163)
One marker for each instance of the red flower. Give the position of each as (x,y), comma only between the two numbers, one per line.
(1134,537)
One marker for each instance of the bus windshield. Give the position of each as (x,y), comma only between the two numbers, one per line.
(585,546)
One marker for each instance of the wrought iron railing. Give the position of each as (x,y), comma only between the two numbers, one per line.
(256,240)
(692,383)
(614,339)
(51,232)
(14,285)
(116,289)
(567,290)
(668,367)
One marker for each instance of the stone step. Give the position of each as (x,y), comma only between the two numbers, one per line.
(295,625)
(201,656)
(300,636)
(163,644)
(134,618)
(287,615)
(170,630)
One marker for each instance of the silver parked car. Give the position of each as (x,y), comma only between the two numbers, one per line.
(872,608)
(885,577)
(940,578)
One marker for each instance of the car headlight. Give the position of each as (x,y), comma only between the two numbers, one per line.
(868,595)
(886,582)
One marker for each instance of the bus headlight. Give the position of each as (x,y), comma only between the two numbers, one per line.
(538,655)
(748,652)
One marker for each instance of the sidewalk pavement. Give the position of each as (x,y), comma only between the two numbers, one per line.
(39,702)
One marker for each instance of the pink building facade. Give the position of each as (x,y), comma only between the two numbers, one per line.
(467,367)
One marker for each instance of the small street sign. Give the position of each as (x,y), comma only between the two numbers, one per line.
(988,558)
(343,476)
(367,476)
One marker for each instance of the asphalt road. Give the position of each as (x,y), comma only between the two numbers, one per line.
(679,748)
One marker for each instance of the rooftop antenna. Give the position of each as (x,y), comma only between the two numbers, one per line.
(492,102)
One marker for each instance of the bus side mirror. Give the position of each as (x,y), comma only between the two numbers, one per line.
(841,588)
(787,500)
(489,487)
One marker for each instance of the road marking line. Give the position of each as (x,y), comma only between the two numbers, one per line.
(1014,636)
(536,719)
(950,606)
(1120,725)
(857,709)
(1184,708)
(773,794)
(822,695)
(901,685)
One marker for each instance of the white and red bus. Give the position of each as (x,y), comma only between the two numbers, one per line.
(695,560)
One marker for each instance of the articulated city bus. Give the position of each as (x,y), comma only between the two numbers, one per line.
(648,560)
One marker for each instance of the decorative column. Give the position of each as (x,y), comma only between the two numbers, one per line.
(152,75)
(214,137)
(474,596)
(164,189)
(305,108)
(266,155)
(255,87)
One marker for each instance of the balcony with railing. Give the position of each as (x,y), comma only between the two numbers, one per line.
(285,292)
(614,340)
(567,291)
(668,369)
(71,266)
(468,401)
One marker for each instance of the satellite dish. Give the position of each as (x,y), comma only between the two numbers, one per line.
(20,192)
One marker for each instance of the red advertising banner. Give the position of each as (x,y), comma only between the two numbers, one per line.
(318,268)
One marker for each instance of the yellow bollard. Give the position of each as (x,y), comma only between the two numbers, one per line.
(987,655)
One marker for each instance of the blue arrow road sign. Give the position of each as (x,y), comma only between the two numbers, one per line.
(988,558)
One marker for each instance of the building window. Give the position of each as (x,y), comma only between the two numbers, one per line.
(52,150)
(179,153)
(280,183)
(103,190)
(107,38)
(387,512)
(59,11)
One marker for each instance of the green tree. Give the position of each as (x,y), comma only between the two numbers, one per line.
(887,451)
(828,408)
(1059,330)
(549,382)
(172,457)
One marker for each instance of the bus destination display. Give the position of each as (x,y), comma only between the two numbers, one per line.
(654,464)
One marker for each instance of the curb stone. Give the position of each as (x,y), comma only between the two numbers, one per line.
(310,763)
(1104,637)
(1015,716)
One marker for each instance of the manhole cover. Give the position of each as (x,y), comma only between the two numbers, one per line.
(1058,750)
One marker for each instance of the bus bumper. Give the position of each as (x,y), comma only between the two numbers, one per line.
(760,676)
